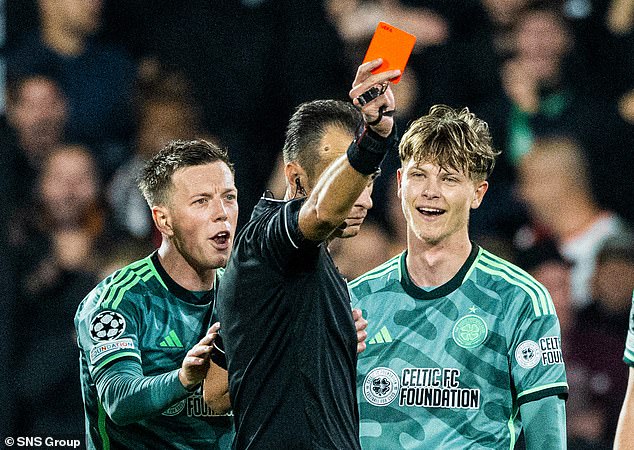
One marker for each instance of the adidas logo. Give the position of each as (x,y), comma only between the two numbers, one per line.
(171,340)
(382,337)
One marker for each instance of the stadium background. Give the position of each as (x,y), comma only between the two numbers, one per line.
(92,88)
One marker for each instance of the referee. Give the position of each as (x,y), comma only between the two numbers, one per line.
(285,310)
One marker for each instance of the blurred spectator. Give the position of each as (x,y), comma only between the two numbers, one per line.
(541,81)
(37,110)
(619,20)
(166,111)
(59,243)
(250,63)
(536,90)
(68,222)
(503,14)
(548,90)
(593,362)
(600,332)
(604,31)
(55,243)
(554,184)
(612,284)
(369,249)
(36,116)
(620,17)
(96,78)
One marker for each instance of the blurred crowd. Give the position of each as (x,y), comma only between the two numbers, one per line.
(96,87)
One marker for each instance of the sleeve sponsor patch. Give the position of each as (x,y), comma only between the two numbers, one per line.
(99,351)
(107,326)
(547,351)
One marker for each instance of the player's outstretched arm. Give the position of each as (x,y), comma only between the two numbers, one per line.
(360,324)
(342,182)
(544,423)
(129,396)
(625,429)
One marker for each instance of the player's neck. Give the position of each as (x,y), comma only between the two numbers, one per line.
(182,272)
(434,264)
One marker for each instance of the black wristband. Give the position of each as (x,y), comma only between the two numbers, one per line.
(367,151)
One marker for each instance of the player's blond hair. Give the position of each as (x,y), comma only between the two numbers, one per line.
(452,139)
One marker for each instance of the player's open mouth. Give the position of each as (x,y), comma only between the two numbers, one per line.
(222,239)
(431,211)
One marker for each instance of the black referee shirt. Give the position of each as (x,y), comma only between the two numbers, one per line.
(289,337)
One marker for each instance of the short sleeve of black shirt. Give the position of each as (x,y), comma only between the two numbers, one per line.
(281,241)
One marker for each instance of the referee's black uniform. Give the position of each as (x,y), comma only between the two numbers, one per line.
(289,337)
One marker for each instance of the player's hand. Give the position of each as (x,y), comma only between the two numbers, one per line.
(363,82)
(196,363)
(360,324)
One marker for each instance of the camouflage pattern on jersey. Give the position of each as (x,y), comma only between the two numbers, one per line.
(448,368)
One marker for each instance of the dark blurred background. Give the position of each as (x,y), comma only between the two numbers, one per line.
(92,88)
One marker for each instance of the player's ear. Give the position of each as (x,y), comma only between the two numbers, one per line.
(162,220)
(481,188)
(296,179)
(399,179)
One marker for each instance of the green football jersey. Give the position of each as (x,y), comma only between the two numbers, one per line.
(448,368)
(628,357)
(132,314)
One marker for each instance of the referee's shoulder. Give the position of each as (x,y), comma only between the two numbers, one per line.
(513,284)
(377,278)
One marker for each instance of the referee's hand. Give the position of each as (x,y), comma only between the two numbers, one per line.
(366,80)
(196,363)
(360,324)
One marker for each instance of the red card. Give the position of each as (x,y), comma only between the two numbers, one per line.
(391,44)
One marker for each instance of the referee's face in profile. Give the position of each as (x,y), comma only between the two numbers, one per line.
(334,143)
(203,213)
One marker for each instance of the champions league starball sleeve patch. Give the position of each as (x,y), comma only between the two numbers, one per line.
(107,326)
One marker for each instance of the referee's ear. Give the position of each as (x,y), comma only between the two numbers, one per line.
(162,220)
(296,180)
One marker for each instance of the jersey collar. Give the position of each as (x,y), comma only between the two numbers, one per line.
(440,291)
(178,290)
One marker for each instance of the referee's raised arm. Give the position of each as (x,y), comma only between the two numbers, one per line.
(341,184)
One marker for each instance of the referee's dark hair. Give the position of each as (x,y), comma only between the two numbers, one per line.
(155,179)
(308,124)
